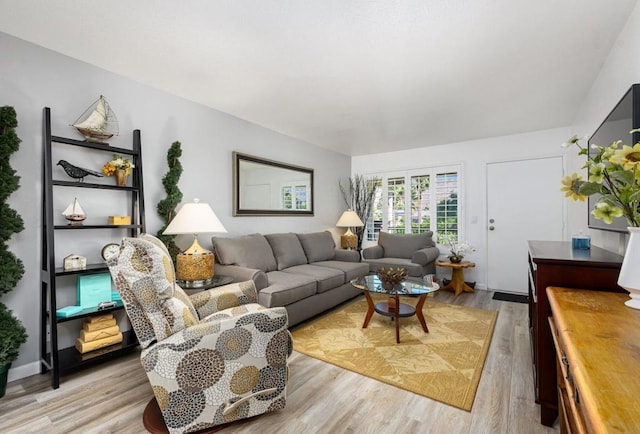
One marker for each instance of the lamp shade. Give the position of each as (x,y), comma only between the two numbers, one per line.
(194,218)
(349,219)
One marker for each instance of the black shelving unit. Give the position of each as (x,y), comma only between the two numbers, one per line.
(52,358)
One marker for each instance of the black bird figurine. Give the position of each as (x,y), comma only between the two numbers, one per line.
(77,172)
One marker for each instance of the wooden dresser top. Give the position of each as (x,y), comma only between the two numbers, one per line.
(601,337)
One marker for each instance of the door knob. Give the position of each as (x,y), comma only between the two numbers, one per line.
(491,227)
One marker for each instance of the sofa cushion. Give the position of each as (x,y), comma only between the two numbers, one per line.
(351,270)
(318,246)
(287,250)
(251,251)
(413,269)
(327,278)
(404,245)
(286,288)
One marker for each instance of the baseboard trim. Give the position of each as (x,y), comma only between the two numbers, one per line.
(24,371)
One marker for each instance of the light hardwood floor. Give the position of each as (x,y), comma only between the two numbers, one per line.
(322,398)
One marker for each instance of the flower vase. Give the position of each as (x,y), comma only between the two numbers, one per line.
(455,259)
(629,277)
(121,178)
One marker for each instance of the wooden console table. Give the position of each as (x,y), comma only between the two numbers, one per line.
(597,348)
(555,263)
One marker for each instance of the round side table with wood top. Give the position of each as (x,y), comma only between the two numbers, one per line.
(457,284)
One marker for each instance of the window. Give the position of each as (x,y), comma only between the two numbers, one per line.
(294,197)
(430,204)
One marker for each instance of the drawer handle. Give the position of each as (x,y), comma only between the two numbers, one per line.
(576,395)
(565,361)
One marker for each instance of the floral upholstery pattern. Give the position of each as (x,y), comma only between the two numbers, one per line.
(213,358)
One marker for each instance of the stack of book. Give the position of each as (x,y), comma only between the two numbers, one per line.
(98,332)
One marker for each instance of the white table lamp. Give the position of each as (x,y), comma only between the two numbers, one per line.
(194,266)
(349,219)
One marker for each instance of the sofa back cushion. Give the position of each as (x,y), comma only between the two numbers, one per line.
(404,245)
(250,251)
(318,246)
(287,250)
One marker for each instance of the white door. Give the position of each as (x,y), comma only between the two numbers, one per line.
(523,203)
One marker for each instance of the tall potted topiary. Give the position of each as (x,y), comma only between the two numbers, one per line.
(167,206)
(12,332)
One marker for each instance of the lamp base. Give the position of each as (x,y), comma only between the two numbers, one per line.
(194,268)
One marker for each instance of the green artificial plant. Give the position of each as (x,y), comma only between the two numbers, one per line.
(359,194)
(167,207)
(12,332)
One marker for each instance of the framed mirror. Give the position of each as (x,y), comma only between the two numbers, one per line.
(267,187)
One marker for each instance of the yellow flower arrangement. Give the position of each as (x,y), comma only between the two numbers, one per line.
(614,173)
(118,163)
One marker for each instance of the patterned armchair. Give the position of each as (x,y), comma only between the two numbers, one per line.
(211,358)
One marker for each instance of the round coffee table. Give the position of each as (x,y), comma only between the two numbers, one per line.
(457,284)
(393,308)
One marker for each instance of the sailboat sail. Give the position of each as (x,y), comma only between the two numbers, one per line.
(74,212)
(98,122)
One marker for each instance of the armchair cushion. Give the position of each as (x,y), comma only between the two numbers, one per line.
(143,269)
(251,251)
(318,246)
(225,297)
(226,368)
(404,245)
(287,250)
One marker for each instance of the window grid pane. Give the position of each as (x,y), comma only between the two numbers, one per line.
(286,198)
(395,205)
(447,206)
(374,224)
(420,213)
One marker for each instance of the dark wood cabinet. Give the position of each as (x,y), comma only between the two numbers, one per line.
(555,263)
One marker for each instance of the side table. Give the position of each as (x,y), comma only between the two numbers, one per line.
(457,284)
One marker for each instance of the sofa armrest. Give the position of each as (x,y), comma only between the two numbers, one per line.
(347,255)
(223,297)
(425,256)
(240,274)
(373,252)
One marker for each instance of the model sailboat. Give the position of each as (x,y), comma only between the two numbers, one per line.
(98,122)
(74,213)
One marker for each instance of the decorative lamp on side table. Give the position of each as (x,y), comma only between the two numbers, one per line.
(349,219)
(457,284)
(194,266)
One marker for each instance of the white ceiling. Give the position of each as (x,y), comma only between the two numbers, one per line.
(355,76)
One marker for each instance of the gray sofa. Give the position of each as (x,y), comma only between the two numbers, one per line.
(414,252)
(305,273)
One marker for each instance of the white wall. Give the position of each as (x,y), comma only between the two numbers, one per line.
(474,157)
(32,77)
(618,73)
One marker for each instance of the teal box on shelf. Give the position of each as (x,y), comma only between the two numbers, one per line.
(93,289)
(68,311)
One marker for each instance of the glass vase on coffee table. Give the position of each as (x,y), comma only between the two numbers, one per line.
(392,307)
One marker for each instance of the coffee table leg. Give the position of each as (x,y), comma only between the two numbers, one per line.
(397,319)
(419,314)
(369,311)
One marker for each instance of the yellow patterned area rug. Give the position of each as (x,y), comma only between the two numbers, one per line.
(444,364)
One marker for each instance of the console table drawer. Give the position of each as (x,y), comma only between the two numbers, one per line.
(569,406)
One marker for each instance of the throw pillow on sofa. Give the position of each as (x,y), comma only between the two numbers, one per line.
(287,250)
(250,251)
(318,246)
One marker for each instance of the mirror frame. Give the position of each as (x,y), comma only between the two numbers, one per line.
(238,212)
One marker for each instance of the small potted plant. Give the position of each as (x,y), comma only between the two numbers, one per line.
(12,335)
(120,168)
(458,251)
